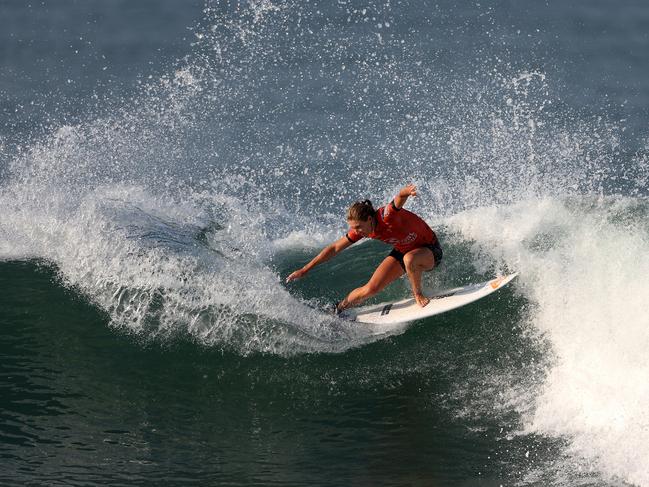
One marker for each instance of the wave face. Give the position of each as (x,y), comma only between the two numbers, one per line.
(180,210)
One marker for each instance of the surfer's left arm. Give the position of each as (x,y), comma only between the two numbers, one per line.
(327,253)
(401,198)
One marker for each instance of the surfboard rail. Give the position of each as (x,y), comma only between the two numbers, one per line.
(441,302)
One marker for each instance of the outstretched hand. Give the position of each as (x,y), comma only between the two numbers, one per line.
(410,190)
(298,274)
(404,193)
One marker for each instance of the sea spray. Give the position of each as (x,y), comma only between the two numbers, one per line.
(170,210)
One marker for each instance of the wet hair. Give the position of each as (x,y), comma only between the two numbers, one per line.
(360,211)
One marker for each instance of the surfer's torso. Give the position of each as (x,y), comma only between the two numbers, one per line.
(400,228)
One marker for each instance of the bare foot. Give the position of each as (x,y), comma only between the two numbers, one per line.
(421,300)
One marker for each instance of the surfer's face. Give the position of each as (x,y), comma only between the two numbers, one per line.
(364,227)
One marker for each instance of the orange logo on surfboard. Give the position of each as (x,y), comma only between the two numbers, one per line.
(497,282)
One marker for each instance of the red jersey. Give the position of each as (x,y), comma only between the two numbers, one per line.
(400,228)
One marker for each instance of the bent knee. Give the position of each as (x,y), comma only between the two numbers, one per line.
(412,261)
(417,261)
(409,261)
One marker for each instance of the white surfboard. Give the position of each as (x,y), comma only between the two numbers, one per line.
(408,310)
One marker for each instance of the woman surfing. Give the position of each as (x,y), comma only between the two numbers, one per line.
(416,248)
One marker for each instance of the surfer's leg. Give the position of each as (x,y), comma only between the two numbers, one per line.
(416,262)
(387,271)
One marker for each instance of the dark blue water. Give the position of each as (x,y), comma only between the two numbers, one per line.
(164,166)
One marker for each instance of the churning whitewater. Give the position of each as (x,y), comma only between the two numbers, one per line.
(179,210)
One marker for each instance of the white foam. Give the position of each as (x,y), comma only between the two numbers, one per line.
(104,201)
(304,239)
(585,269)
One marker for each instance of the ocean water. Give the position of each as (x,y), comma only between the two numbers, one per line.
(165,165)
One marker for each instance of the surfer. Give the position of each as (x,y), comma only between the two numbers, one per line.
(416,248)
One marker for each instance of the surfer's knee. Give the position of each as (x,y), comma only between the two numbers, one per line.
(416,260)
(408,261)
(411,262)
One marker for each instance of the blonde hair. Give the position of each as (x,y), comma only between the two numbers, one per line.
(360,211)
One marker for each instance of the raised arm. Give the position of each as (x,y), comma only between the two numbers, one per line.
(404,193)
(327,253)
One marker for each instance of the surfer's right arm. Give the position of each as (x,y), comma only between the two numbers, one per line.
(403,194)
(327,253)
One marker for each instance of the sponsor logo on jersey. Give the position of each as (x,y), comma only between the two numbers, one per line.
(411,237)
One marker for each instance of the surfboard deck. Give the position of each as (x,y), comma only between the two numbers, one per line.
(408,310)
